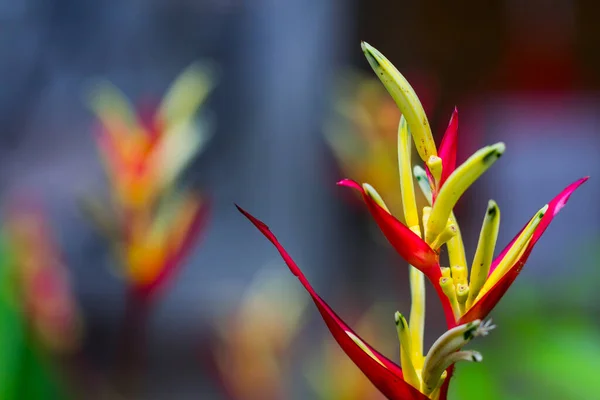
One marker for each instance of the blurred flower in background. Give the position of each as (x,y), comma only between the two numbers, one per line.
(254,341)
(362,133)
(332,375)
(150,220)
(39,316)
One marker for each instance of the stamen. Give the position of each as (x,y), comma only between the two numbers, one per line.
(447,285)
(513,253)
(423,181)
(370,190)
(434,163)
(432,376)
(406,99)
(485,251)
(456,184)
(448,233)
(406,359)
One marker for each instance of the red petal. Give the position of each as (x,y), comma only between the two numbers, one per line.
(483,307)
(410,246)
(389,379)
(448,148)
(175,260)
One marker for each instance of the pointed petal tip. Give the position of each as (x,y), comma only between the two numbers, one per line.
(240,209)
(561,200)
(349,183)
(258,223)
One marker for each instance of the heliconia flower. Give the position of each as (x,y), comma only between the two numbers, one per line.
(466,298)
(151,223)
(442,183)
(421,378)
(43,286)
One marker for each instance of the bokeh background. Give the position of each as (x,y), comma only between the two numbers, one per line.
(235,323)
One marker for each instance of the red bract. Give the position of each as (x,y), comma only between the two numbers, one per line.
(448,147)
(383,373)
(410,246)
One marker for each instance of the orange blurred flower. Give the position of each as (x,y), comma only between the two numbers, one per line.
(152,223)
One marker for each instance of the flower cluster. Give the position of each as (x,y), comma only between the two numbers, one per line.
(152,223)
(467,294)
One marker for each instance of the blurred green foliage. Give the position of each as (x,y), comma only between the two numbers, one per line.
(25,372)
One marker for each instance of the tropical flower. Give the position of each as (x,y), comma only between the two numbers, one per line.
(465,297)
(258,333)
(465,301)
(152,223)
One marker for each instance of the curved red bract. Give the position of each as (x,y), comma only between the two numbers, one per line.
(410,246)
(385,375)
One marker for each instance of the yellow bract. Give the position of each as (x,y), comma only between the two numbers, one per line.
(457,184)
(406,99)
(485,251)
(514,253)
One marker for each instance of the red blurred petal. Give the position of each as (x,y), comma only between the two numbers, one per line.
(448,148)
(410,246)
(175,260)
(483,307)
(389,379)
